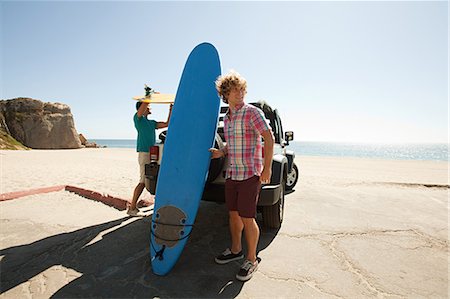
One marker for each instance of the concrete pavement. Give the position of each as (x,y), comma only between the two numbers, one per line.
(337,241)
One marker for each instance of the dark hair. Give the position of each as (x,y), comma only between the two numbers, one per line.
(138,104)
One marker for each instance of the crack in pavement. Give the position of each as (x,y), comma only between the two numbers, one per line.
(27,289)
(436,242)
(340,255)
(359,273)
(307,281)
(398,184)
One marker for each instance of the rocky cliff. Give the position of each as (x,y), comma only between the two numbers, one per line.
(39,125)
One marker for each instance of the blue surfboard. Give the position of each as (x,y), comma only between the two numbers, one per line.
(186,158)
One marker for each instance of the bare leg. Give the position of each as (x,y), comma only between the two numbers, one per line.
(251,231)
(236,227)
(137,192)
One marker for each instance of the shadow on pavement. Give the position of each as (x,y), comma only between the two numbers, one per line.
(118,263)
(287,192)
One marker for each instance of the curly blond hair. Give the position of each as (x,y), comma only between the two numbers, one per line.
(225,83)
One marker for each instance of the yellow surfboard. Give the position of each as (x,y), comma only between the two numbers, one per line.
(156,98)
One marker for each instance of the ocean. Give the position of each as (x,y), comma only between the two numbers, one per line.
(417,151)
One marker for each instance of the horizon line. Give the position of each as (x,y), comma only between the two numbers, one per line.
(325,141)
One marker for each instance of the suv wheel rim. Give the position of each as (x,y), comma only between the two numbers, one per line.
(292,175)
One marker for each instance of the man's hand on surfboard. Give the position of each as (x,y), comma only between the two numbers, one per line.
(216,153)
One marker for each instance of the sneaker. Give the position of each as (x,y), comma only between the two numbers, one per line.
(247,270)
(228,256)
(134,212)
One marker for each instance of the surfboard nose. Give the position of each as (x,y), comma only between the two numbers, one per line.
(205,47)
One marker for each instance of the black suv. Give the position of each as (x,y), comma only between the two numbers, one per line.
(284,171)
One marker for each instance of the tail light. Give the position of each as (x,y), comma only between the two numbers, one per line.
(154,153)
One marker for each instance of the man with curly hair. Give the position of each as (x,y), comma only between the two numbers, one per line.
(244,125)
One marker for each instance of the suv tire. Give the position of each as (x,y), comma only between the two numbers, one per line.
(292,178)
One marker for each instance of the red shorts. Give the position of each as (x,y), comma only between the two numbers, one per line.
(242,196)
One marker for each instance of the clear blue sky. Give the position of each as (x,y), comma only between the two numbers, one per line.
(336,71)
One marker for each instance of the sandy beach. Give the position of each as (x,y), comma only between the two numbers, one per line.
(353,228)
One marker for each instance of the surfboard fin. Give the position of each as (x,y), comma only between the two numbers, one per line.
(148,91)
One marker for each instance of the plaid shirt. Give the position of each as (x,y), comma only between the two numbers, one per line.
(244,147)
